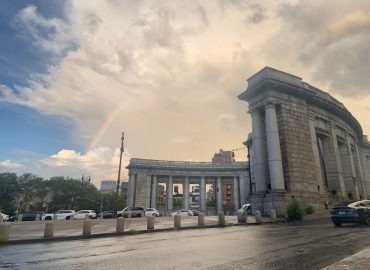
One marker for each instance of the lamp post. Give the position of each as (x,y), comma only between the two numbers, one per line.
(119,174)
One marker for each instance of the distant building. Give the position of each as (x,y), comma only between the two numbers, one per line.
(107,186)
(223,157)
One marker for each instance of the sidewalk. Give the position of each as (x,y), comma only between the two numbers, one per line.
(360,260)
(33,231)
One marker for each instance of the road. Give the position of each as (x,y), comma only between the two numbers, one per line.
(309,245)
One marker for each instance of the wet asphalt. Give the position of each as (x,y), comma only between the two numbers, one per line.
(307,245)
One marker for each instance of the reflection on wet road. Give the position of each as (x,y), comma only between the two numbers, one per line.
(284,246)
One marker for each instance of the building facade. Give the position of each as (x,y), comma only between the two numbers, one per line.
(305,145)
(146,177)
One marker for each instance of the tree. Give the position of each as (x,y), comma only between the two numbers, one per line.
(9,190)
(28,185)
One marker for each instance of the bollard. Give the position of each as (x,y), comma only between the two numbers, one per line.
(177,221)
(4,232)
(273,215)
(258,217)
(19,218)
(221,218)
(1,218)
(87,216)
(120,225)
(87,227)
(37,217)
(150,223)
(241,217)
(54,217)
(200,218)
(49,229)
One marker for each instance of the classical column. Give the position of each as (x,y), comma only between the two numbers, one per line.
(203,199)
(154,192)
(243,185)
(353,169)
(338,163)
(219,194)
(147,191)
(360,170)
(316,156)
(236,193)
(169,193)
(129,191)
(186,193)
(273,147)
(259,152)
(132,190)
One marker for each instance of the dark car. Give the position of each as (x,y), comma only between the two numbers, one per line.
(31,216)
(108,214)
(356,212)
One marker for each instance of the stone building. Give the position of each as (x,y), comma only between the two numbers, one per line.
(305,145)
(146,177)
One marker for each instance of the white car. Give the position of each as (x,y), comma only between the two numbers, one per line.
(60,214)
(247,208)
(151,212)
(5,217)
(183,212)
(82,214)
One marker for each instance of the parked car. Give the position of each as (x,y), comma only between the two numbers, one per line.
(107,214)
(13,218)
(131,212)
(4,216)
(247,208)
(60,214)
(356,212)
(82,214)
(151,212)
(183,212)
(31,216)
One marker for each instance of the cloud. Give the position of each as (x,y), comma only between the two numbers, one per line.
(99,163)
(179,140)
(174,70)
(7,164)
(225,121)
(51,35)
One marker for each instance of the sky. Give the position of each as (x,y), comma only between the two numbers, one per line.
(75,74)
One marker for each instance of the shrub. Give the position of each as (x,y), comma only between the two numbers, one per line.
(309,210)
(294,211)
(2,240)
(133,232)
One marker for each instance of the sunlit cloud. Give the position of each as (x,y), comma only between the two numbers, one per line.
(168,72)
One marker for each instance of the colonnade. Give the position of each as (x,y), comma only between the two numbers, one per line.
(152,181)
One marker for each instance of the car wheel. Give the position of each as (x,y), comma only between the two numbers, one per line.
(138,215)
(68,218)
(119,216)
(337,224)
(367,221)
(47,218)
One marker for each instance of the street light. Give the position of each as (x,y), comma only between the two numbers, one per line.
(119,175)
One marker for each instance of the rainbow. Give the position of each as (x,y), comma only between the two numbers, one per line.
(104,126)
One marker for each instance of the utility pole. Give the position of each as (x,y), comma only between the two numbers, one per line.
(119,174)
